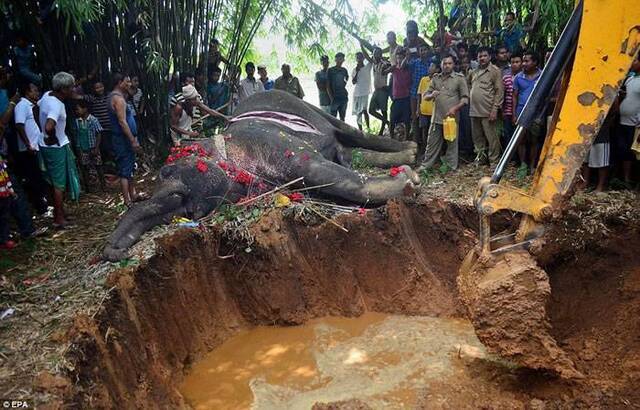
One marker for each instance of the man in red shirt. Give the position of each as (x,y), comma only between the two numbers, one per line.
(400,91)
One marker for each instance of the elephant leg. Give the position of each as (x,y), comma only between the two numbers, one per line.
(350,137)
(354,187)
(387,159)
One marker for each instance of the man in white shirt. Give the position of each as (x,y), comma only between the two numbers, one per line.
(249,85)
(361,78)
(28,146)
(57,158)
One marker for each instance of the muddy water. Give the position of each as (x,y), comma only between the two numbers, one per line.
(380,359)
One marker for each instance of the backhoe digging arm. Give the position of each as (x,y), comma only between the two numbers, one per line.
(503,288)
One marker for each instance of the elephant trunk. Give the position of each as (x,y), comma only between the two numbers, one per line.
(161,208)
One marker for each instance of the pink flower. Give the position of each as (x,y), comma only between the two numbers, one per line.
(362,211)
(288,153)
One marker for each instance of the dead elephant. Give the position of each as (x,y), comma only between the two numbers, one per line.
(274,138)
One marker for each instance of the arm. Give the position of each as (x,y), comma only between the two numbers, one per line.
(6,116)
(499,97)
(300,90)
(355,75)
(120,108)
(211,111)
(23,136)
(463,92)
(96,149)
(176,112)
(432,93)
(514,118)
(366,55)
(329,89)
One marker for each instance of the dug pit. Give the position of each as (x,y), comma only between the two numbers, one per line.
(396,269)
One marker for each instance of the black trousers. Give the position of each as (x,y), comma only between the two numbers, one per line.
(28,170)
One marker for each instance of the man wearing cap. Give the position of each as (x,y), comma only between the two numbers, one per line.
(249,85)
(322,79)
(182,114)
(264,77)
(289,83)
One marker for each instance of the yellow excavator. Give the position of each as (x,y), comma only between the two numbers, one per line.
(503,288)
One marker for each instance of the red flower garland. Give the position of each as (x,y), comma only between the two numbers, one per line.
(394,171)
(295,197)
(202,166)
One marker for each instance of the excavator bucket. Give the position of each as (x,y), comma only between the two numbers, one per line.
(504,290)
(506,298)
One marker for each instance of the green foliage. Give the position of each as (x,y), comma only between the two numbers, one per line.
(358,161)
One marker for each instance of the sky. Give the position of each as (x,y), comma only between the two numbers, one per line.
(393,19)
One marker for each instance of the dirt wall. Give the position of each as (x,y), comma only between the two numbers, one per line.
(199,290)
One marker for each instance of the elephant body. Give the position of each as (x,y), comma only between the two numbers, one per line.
(273,138)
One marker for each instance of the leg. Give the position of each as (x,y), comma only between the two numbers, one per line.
(479,141)
(5,205)
(366,119)
(387,159)
(58,207)
(352,186)
(586,176)
(451,155)
(434,145)
(343,109)
(603,177)
(20,210)
(491,132)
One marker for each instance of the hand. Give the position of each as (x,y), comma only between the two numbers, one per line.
(435,94)
(194,134)
(493,116)
(451,113)
(136,147)
(95,151)
(514,120)
(16,98)
(32,150)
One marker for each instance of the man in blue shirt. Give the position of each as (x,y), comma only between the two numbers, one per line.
(523,84)
(217,92)
(419,67)
(264,77)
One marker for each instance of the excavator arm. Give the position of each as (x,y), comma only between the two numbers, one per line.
(503,288)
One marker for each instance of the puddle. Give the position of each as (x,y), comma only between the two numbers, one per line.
(383,360)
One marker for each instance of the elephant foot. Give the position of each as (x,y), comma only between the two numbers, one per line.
(114,254)
(412,183)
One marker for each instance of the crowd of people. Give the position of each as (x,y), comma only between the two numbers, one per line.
(52,144)
(453,99)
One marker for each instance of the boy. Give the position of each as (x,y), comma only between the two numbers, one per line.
(337,78)
(400,92)
(88,135)
(425,110)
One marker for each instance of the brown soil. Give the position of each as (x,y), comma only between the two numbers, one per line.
(198,289)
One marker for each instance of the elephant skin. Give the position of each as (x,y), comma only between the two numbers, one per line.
(272,154)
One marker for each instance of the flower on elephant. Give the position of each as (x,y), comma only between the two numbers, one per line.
(243,177)
(202,166)
(394,171)
(295,197)
(362,211)
(186,151)
(288,153)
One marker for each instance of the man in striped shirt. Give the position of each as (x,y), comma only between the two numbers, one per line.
(507,106)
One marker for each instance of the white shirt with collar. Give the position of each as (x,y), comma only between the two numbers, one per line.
(23,114)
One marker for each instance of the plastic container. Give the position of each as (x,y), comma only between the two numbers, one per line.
(450,129)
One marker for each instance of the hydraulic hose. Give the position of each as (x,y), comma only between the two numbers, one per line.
(560,57)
